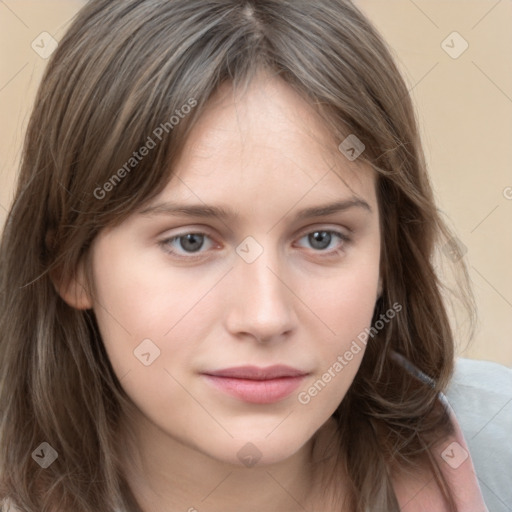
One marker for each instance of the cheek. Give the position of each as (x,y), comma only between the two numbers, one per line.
(344,303)
(137,302)
(344,307)
(151,334)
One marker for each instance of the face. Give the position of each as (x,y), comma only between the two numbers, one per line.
(183,297)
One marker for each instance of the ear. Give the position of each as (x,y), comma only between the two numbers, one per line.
(74,291)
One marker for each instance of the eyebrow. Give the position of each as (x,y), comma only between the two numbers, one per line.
(208,211)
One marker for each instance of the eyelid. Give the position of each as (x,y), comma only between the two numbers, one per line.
(323,227)
(204,230)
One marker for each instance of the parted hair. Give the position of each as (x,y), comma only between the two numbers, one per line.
(124,68)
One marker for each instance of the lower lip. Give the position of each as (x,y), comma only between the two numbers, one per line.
(256,391)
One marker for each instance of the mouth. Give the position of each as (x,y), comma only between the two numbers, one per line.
(256,385)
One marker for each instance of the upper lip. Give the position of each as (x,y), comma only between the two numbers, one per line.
(257,373)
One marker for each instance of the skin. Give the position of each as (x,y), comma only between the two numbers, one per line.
(265,154)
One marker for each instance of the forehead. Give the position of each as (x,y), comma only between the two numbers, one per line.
(268,145)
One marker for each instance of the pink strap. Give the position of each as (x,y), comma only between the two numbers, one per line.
(421,494)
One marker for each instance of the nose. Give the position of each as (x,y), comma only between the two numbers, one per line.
(261,302)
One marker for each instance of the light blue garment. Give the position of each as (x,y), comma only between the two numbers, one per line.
(480,394)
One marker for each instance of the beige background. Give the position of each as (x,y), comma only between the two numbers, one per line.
(464,105)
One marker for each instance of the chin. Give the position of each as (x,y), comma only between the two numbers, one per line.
(260,450)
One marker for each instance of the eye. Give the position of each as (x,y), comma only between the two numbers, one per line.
(188,243)
(321,240)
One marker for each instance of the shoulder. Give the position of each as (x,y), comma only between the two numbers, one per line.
(418,491)
(480,395)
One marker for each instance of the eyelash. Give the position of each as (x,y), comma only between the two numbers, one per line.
(196,256)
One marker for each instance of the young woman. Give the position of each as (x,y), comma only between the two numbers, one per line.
(218,289)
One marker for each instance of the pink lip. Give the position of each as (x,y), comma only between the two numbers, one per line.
(257,385)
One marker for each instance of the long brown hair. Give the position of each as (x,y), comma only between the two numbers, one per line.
(124,69)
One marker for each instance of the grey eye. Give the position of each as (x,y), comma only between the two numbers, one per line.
(320,239)
(191,242)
